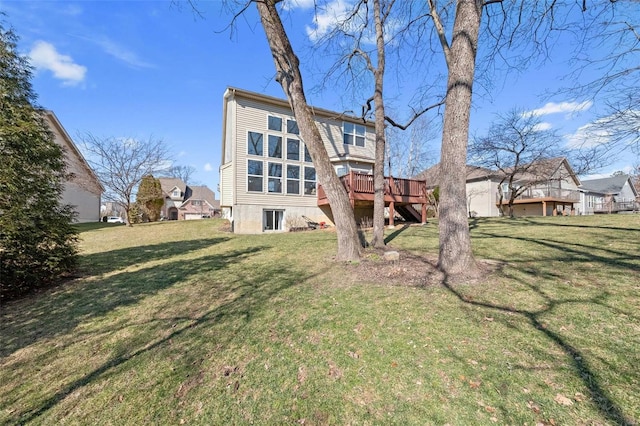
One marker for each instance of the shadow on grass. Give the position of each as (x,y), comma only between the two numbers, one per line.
(395,233)
(107,261)
(242,296)
(59,310)
(571,253)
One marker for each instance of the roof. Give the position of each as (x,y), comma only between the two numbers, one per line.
(203,193)
(234,91)
(610,185)
(167,185)
(544,169)
(535,172)
(53,120)
(432,174)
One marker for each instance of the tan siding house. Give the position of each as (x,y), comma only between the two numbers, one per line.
(549,188)
(82,190)
(267,180)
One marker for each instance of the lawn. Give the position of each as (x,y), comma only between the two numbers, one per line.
(183,323)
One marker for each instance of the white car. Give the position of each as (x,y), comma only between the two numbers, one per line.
(115,219)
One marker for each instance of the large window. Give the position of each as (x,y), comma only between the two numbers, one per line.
(254,175)
(275,123)
(272,220)
(353,134)
(293,179)
(255,143)
(309,181)
(293,149)
(307,156)
(275,177)
(275,146)
(292,127)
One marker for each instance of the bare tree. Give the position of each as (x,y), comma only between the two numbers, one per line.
(514,146)
(121,163)
(289,76)
(609,48)
(407,150)
(184,173)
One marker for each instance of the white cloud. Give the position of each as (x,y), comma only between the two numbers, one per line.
(44,56)
(588,136)
(208,167)
(326,19)
(542,126)
(122,53)
(560,108)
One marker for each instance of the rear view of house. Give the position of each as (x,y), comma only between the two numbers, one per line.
(267,179)
(82,189)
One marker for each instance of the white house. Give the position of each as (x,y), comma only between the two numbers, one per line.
(267,179)
(82,189)
(614,194)
(549,187)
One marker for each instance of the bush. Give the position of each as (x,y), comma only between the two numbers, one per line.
(38,243)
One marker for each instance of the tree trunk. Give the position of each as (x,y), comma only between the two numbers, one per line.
(288,75)
(455,256)
(378,168)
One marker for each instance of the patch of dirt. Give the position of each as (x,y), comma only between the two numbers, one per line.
(410,270)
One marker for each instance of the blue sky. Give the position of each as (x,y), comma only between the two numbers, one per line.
(154,68)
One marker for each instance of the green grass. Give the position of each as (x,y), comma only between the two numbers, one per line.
(181,323)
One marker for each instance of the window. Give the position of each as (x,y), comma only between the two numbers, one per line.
(254,176)
(293,179)
(309,181)
(292,127)
(341,170)
(196,202)
(176,193)
(275,146)
(293,149)
(272,220)
(353,134)
(275,177)
(275,123)
(254,143)
(307,156)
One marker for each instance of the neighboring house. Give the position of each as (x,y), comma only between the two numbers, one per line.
(549,188)
(185,202)
(267,179)
(615,194)
(82,189)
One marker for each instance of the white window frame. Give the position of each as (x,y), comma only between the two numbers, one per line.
(261,176)
(307,189)
(276,217)
(274,178)
(249,144)
(354,134)
(269,117)
(293,179)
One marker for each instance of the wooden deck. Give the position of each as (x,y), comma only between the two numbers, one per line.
(398,193)
(553,197)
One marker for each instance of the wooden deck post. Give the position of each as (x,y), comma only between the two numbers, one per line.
(392,213)
(424,213)
(544,208)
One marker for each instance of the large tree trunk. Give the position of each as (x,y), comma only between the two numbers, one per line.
(455,256)
(378,169)
(289,77)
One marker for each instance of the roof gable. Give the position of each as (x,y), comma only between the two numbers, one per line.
(70,148)
(610,185)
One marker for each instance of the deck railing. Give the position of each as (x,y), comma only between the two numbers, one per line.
(361,183)
(616,206)
(538,193)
